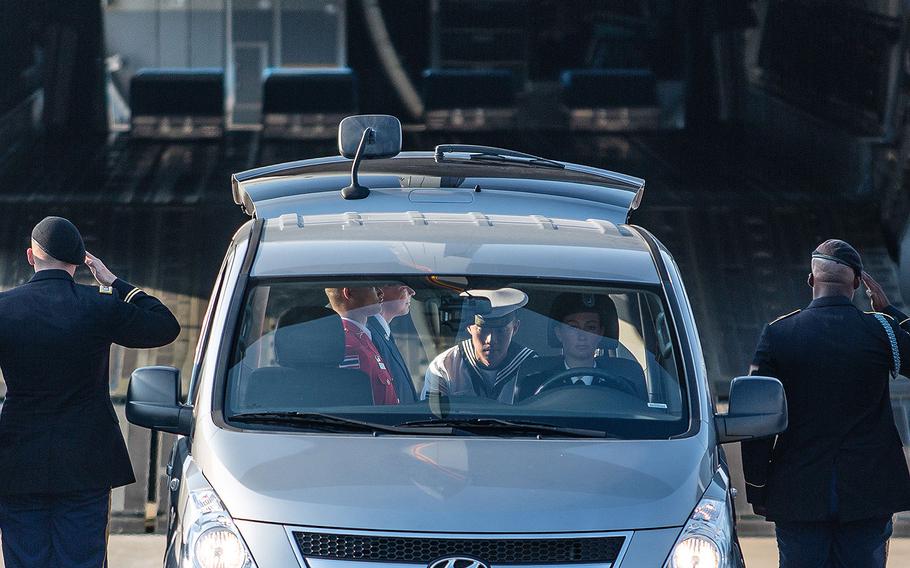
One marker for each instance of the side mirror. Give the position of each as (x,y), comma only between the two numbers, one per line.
(153,401)
(385,141)
(758,409)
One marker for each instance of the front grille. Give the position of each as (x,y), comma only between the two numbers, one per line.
(492,551)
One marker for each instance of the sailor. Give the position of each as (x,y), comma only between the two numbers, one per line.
(61,449)
(355,305)
(834,478)
(486,364)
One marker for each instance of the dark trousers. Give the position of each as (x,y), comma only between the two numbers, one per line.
(67,530)
(859,544)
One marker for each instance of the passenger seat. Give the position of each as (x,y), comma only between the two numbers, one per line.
(309,346)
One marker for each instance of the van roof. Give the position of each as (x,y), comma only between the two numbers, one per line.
(415,243)
(429,182)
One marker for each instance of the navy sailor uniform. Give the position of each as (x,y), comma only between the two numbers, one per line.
(457,372)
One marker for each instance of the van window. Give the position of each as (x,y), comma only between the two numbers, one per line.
(393,351)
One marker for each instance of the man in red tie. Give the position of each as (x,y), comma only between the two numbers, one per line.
(355,305)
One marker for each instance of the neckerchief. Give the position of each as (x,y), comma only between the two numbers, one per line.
(515,356)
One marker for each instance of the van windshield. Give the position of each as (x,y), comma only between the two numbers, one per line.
(457,355)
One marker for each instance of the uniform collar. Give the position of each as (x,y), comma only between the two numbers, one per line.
(356,327)
(51,274)
(826,301)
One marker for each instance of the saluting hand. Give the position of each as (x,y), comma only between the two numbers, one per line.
(876,293)
(99,271)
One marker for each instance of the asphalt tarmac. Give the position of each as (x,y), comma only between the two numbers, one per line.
(146,551)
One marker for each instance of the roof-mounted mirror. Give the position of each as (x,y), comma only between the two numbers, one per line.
(363,137)
(384,142)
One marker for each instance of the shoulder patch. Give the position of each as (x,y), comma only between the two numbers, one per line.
(785,316)
(882,313)
(105,290)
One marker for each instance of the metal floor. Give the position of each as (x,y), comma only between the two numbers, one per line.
(160,214)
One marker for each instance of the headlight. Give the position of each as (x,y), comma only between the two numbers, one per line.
(211,538)
(707,539)
(695,552)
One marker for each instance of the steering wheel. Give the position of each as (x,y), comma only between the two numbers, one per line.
(602,378)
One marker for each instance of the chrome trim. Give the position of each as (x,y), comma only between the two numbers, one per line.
(451,561)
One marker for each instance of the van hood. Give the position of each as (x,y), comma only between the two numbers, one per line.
(455,484)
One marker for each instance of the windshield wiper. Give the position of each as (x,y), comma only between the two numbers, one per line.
(492,154)
(500,426)
(542,162)
(327,422)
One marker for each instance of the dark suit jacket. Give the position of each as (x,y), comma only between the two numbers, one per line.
(58,429)
(534,372)
(394,360)
(841,456)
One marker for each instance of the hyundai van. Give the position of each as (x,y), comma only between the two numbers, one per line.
(286,455)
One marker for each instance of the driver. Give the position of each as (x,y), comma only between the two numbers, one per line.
(582,324)
(486,364)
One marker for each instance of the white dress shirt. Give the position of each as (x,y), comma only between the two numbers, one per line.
(587,379)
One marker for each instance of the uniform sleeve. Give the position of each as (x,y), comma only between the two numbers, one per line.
(900,325)
(900,317)
(436,379)
(140,320)
(763,363)
(756,454)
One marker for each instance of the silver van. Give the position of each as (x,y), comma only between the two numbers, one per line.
(544,401)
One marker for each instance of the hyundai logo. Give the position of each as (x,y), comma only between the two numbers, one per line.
(458,562)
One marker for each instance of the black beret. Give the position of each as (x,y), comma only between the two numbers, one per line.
(570,303)
(60,239)
(840,252)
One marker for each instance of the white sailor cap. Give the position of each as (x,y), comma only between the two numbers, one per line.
(497,305)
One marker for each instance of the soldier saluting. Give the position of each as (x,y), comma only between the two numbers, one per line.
(61,450)
(834,478)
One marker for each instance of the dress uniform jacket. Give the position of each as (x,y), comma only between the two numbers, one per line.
(58,429)
(389,352)
(360,354)
(841,457)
